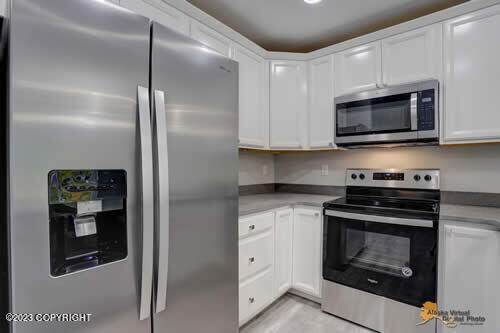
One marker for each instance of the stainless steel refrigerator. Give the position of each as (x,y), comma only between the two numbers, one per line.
(122,163)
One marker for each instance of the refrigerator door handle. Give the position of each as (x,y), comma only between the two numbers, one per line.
(147,203)
(162,197)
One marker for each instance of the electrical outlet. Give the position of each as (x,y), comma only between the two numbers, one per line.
(264,170)
(324,170)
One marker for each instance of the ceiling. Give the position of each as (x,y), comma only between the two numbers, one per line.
(294,26)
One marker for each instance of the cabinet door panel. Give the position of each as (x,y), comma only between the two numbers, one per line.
(307,245)
(211,38)
(469,266)
(253,111)
(358,69)
(288,104)
(160,12)
(321,107)
(413,56)
(283,252)
(472,77)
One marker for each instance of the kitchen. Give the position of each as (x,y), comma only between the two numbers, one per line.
(364,152)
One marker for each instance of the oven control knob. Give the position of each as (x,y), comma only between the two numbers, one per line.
(417,178)
(353,176)
(428,178)
(361,176)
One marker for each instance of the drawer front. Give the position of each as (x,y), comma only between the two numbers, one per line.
(255,254)
(256,224)
(255,294)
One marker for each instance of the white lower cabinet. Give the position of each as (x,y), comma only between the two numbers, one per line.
(307,244)
(279,251)
(255,295)
(469,270)
(256,264)
(283,251)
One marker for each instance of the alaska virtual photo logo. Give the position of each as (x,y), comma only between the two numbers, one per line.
(450,318)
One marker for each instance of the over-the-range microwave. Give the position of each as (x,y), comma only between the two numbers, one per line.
(393,116)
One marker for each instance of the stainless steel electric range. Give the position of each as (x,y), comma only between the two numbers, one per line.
(380,249)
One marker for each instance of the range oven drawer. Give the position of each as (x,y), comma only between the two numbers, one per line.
(387,256)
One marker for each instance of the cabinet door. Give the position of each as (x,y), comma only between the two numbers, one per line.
(211,38)
(413,56)
(253,113)
(358,69)
(283,251)
(469,267)
(472,77)
(307,244)
(321,108)
(160,12)
(288,104)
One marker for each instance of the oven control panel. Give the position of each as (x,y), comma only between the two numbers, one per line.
(428,179)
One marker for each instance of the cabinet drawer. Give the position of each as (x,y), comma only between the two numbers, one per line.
(255,224)
(255,295)
(255,254)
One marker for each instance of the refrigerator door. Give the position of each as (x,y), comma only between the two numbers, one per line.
(74,76)
(200,90)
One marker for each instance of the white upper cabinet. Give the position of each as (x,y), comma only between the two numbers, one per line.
(160,12)
(283,251)
(288,104)
(472,77)
(469,267)
(307,244)
(412,56)
(321,103)
(358,69)
(253,111)
(211,38)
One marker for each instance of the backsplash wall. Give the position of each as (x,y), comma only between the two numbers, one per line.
(466,168)
(252,168)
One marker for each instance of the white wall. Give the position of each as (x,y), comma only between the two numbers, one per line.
(252,168)
(466,168)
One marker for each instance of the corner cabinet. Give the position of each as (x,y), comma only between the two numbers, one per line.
(253,102)
(358,69)
(472,77)
(321,103)
(288,100)
(469,268)
(283,251)
(307,245)
(412,56)
(159,11)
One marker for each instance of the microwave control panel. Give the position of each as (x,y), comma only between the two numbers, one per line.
(426,110)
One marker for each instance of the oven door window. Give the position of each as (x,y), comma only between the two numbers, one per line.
(374,116)
(388,254)
(390,260)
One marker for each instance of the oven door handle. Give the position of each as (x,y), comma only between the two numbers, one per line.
(381,219)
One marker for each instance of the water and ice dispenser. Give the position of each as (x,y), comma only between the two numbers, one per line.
(88,219)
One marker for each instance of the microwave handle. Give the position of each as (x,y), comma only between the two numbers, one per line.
(413,112)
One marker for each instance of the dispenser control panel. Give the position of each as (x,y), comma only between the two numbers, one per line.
(88,219)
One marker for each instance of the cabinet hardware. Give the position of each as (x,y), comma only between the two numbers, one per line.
(252,227)
(252,259)
(251,299)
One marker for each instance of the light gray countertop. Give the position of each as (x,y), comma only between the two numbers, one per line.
(472,214)
(250,204)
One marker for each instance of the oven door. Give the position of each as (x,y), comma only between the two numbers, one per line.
(394,257)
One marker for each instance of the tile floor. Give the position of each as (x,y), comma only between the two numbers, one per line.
(293,314)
